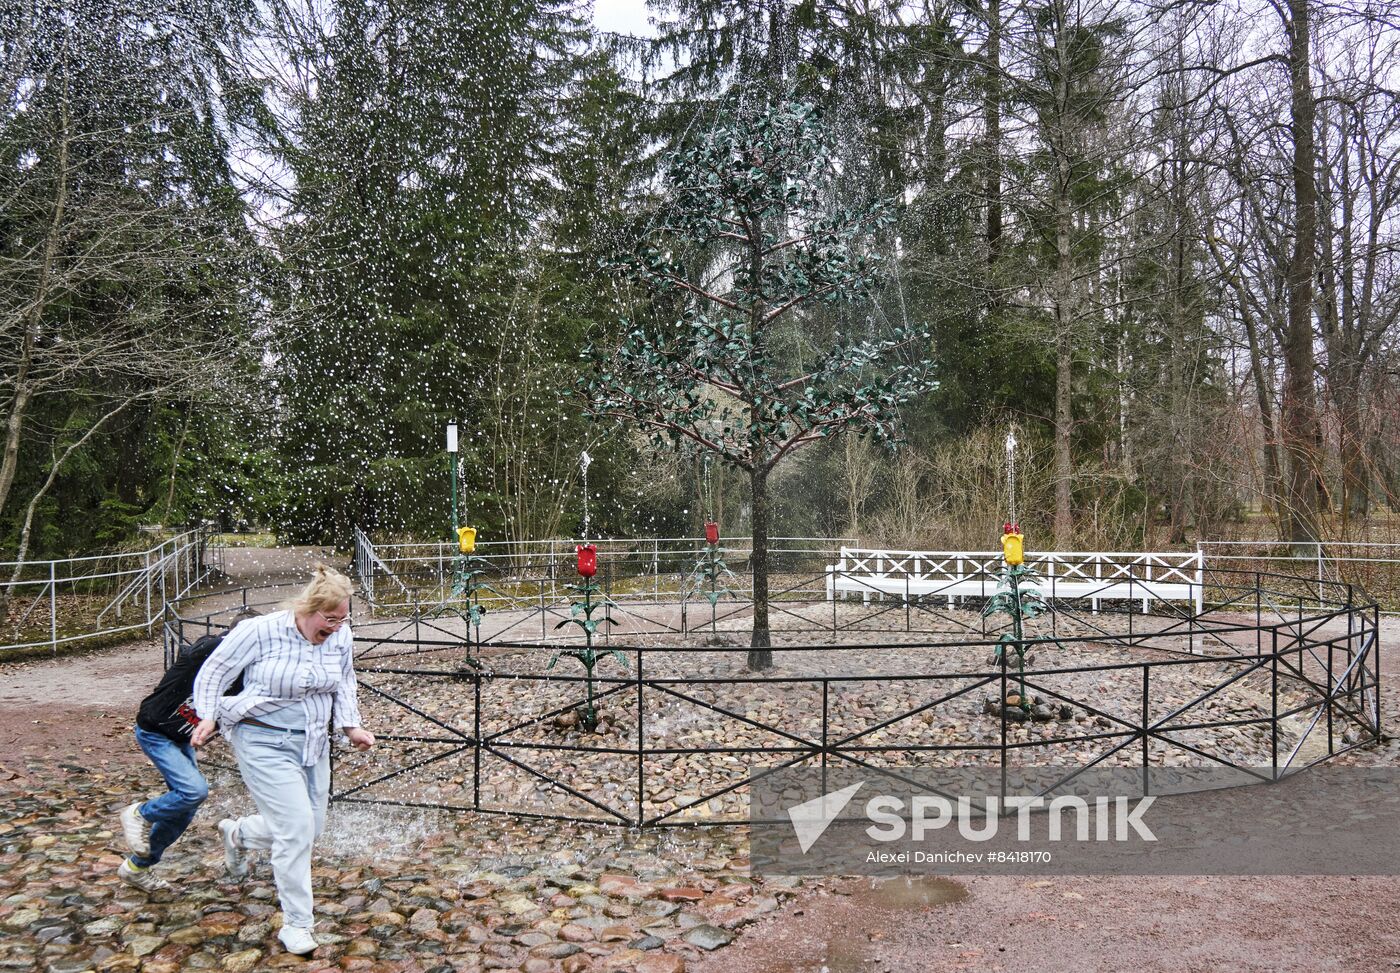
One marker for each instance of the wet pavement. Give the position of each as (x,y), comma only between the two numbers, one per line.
(397,889)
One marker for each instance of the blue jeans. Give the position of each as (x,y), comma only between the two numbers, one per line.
(171,813)
(291,799)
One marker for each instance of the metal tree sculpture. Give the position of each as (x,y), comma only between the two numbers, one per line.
(749,373)
(581,614)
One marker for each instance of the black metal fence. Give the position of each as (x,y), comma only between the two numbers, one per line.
(1277,674)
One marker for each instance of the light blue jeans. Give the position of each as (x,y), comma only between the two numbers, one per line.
(291,801)
(171,813)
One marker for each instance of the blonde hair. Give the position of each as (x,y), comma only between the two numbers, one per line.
(328,588)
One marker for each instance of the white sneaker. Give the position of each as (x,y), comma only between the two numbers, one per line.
(234,859)
(141,878)
(136,830)
(297,940)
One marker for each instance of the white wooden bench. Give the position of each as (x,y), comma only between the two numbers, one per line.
(1096,576)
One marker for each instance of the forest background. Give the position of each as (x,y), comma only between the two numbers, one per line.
(255,254)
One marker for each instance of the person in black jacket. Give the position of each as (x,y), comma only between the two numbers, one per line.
(163,726)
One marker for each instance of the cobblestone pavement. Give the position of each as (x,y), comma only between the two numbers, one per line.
(396,889)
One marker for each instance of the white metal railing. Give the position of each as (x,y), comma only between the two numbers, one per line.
(66,600)
(422,572)
(1373,565)
(369,567)
(1093,575)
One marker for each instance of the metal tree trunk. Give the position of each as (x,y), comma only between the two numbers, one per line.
(760,653)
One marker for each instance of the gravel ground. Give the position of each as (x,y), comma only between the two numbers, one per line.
(867,700)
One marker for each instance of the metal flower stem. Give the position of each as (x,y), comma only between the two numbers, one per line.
(591,719)
(1020,604)
(587,655)
(708,570)
(1020,644)
(467,568)
(712,552)
(473,620)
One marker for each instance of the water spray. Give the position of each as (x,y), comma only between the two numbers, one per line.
(583,462)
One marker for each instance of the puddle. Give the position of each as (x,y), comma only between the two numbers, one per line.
(914,893)
(849,951)
(844,956)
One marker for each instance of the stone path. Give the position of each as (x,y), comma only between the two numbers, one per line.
(398,890)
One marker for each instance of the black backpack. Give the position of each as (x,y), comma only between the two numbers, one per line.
(169,709)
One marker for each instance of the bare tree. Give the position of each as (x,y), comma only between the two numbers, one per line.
(1359,197)
(1300,234)
(859,470)
(111,248)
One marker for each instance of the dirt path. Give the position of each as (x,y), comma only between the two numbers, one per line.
(85,703)
(1159,925)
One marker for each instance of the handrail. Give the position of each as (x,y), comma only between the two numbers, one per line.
(1354,561)
(169,570)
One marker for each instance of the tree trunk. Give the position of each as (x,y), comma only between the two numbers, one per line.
(24,387)
(1064,291)
(175,468)
(760,652)
(1064,364)
(1273,477)
(1179,489)
(1338,312)
(991,108)
(14,425)
(1387,471)
(1064,463)
(1356,471)
(1262,386)
(1300,428)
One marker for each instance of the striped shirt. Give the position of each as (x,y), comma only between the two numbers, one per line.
(281,668)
